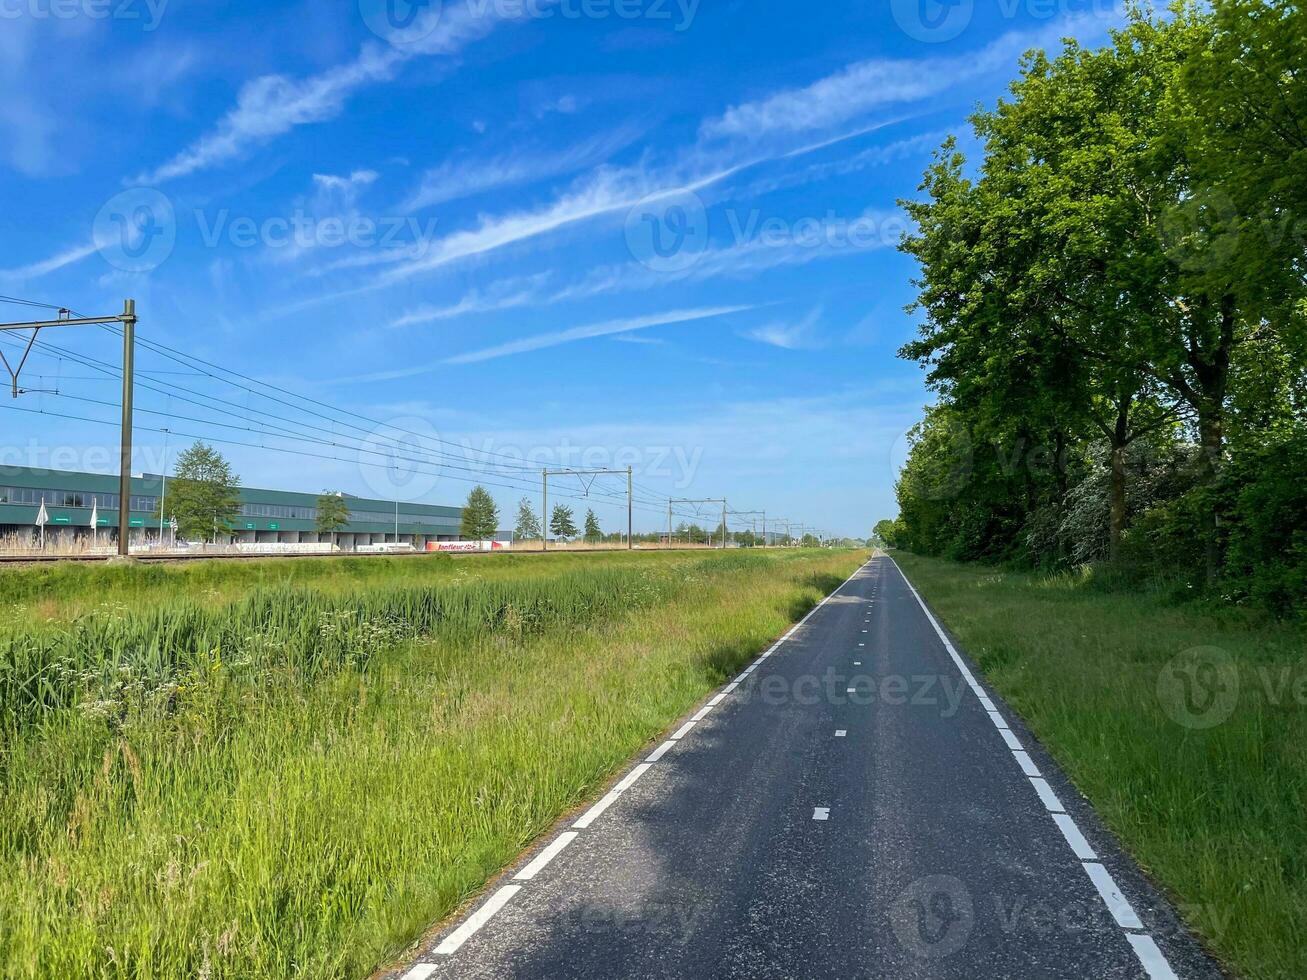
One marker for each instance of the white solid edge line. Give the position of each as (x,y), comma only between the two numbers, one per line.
(1074,837)
(661,751)
(681,732)
(545,856)
(1051,803)
(1151,957)
(420,972)
(1026,763)
(1013,742)
(476,920)
(1116,903)
(611,796)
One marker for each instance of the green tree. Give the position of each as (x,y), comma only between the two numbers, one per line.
(480,516)
(203,494)
(528,525)
(593,532)
(333,513)
(561,522)
(883,532)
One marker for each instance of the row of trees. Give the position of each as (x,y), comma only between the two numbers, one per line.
(1115,300)
(562,523)
(204,498)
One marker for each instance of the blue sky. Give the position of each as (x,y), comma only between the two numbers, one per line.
(583,232)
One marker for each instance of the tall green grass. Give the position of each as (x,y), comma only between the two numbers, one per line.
(296,777)
(1117,686)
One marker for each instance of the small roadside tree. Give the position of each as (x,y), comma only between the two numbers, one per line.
(561,523)
(333,513)
(593,532)
(480,515)
(528,525)
(203,495)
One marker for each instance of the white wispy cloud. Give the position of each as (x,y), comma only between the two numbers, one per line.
(573,334)
(555,338)
(349,184)
(506,294)
(867,85)
(272,105)
(456,179)
(53,264)
(789,334)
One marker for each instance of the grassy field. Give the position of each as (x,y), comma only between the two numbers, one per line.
(293,768)
(1187,729)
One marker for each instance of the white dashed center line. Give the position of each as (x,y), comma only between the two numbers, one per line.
(821,813)
(841,733)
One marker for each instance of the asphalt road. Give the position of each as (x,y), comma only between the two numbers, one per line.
(855,805)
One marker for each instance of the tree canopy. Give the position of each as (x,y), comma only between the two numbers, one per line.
(203,495)
(480,516)
(528,525)
(593,532)
(562,524)
(1113,301)
(333,513)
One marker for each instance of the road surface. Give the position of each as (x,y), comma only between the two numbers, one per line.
(855,804)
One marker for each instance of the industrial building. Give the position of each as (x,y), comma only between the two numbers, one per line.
(265,516)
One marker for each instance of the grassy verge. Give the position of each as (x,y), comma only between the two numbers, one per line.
(1187,730)
(297,778)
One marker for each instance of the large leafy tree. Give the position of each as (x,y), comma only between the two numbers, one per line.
(480,516)
(204,494)
(1245,90)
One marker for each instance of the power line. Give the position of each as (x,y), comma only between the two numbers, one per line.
(281,427)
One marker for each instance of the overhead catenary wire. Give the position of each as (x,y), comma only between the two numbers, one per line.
(282,428)
(236,442)
(278,426)
(278,430)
